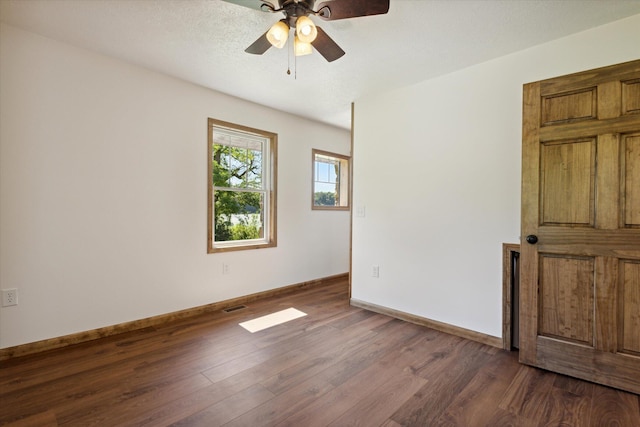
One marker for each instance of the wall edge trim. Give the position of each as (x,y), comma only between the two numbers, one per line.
(161,319)
(433,324)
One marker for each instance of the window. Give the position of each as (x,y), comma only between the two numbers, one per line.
(330,181)
(242,170)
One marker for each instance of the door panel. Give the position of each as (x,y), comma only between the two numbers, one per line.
(566,298)
(568,107)
(631,170)
(631,97)
(568,189)
(580,281)
(630,282)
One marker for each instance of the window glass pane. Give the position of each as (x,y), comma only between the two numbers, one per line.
(238,215)
(330,180)
(236,167)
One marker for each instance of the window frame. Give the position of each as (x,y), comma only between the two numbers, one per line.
(345,187)
(270,183)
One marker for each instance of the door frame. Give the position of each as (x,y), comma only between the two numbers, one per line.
(507,293)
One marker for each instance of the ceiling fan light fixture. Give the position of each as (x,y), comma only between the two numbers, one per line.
(306,29)
(278,34)
(301,48)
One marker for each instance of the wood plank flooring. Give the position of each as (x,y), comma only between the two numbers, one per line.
(337,366)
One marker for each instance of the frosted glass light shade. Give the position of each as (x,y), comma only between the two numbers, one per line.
(301,48)
(306,29)
(278,34)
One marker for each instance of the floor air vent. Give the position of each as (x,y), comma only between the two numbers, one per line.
(234,308)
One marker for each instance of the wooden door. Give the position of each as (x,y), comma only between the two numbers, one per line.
(580,249)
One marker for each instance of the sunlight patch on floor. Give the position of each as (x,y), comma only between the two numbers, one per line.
(272,319)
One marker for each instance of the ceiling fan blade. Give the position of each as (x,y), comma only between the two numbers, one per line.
(342,9)
(254,4)
(259,46)
(326,46)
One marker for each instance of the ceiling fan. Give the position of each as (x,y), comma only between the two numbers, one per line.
(307,34)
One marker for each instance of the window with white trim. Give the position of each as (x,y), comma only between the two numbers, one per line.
(242,170)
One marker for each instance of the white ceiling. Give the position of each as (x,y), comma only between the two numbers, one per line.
(203,41)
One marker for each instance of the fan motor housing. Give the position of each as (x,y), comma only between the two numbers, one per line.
(293,10)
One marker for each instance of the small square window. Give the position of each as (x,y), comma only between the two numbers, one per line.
(330,181)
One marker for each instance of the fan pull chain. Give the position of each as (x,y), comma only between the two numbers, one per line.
(288,61)
(295,61)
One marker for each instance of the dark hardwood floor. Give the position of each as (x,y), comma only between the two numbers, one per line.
(338,366)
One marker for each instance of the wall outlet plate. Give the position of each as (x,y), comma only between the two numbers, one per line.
(9,297)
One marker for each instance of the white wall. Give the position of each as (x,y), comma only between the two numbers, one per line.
(437,168)
(103,193)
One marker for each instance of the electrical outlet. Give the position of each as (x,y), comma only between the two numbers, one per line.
(361,211)
(225,268)
(375,271)
(9,297)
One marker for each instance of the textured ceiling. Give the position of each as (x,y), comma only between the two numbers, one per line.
(203,41)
